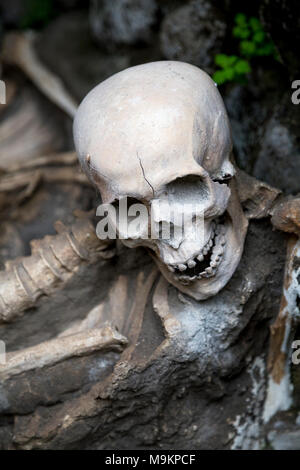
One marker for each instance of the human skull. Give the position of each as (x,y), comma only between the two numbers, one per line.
(159,132)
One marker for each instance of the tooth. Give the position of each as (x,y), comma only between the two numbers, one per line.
(184,279)
(209,270)
(182,267)
(210,243)
(170,268)
(223,241)
(213,263)
(200,257)
(191,263)
(205,250)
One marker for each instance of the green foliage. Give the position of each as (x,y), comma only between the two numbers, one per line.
(253,43)
(38,13)
(232,68)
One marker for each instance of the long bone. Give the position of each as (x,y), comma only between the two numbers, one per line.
(18,49)
(60,349)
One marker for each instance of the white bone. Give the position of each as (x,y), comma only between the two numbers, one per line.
(59,349)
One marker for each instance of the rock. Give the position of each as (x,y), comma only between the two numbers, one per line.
(286,215)
(249,106)
(281,18)
(277,161)
(122,21)
(283,431)
(12,12)
(257,197)
(193,33)
(265,128)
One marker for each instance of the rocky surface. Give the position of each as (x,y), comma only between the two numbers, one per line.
(266,138)
(174,386)
(80,63)
(122,22)
(278,157)
(281,19)
(193,33)
(283,431)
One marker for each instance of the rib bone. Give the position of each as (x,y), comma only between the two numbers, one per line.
(54,260)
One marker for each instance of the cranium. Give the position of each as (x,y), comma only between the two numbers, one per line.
(157,132)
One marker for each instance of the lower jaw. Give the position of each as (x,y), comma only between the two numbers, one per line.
(200,289)
(208,271)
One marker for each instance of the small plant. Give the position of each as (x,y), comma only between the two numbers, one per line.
(233,68)
(253,43)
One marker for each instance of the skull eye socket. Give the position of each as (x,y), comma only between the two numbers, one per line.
(188,189)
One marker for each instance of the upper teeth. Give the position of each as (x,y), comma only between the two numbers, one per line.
(191,263)
(216,257)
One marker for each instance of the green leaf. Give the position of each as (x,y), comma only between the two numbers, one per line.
(219,77)
(242,67)
(259,37)
(224,61)
(239,32)
(221,60)
(240,19)
(255,24)
(231,59)
(229,73)
(247,48)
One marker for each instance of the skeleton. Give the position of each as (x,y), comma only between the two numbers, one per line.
(159,133)
(185,157)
